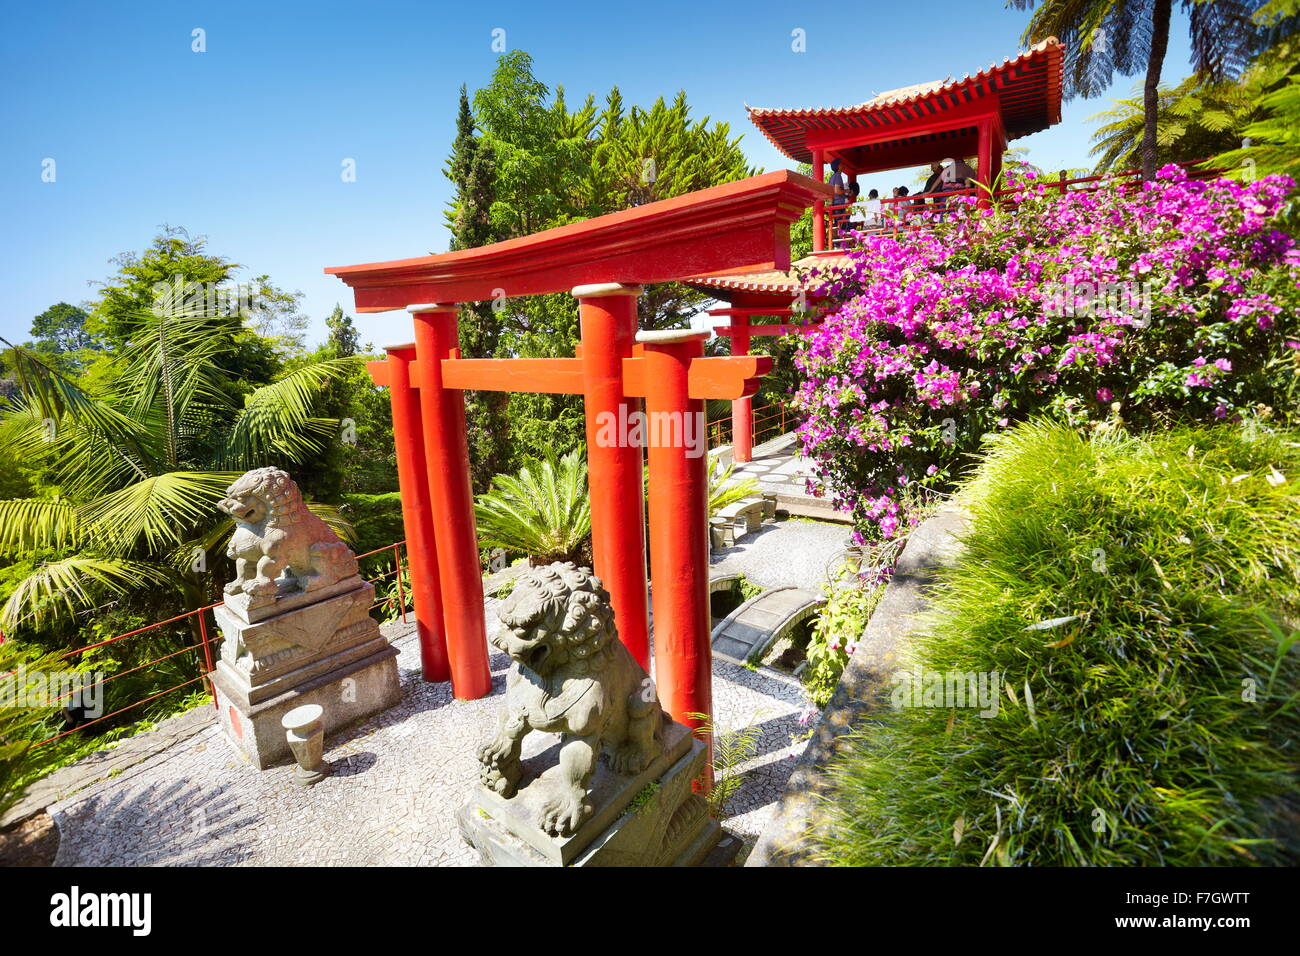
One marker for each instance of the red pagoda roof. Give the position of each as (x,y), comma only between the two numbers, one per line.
(1026,92)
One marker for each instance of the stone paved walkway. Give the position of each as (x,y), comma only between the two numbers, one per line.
(778,467)
(787,553)
(397,782)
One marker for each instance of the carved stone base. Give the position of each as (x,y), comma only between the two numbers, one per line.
(650,819)
(329,652)
(358,690)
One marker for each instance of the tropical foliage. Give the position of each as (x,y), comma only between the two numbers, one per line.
(722,490)
(525,160)
(1194,121)
(20,723)
(135,463)
(1105,37)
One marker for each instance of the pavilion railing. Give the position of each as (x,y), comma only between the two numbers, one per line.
(204,634)
(920,212)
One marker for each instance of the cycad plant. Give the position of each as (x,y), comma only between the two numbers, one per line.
(132,461)
(723,491)
(543,511)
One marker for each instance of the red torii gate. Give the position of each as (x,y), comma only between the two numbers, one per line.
(728,229)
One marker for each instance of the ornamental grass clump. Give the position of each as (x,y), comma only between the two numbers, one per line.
(1130,607)
(1175,303)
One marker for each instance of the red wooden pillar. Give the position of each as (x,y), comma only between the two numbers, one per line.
(608,316)
(819,207)
(451,496)
(679,512)
(986,149)
(998,137)
(417,515)
(742,409)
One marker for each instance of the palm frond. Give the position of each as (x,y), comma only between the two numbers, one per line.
(277,422)
(156,512)
(53,396)
(171,363)
(60,589)
(32,524)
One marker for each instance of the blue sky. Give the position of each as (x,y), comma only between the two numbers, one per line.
(244,143)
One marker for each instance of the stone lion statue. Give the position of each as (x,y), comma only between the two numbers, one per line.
(276,535)
(572,676)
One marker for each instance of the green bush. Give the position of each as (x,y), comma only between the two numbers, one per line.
(850,600)
(1137,601)
(376,520)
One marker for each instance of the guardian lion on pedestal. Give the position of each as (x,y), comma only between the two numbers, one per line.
(276,534)
(572,676)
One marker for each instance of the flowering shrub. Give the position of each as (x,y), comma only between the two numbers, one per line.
(1170,303)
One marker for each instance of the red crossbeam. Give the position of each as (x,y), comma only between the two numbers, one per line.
(716,377)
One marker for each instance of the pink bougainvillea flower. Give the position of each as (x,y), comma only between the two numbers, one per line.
(933,339)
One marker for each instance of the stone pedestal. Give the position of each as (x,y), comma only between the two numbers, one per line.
(648,819)
(314,647)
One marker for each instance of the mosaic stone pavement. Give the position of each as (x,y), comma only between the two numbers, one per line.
(396,784)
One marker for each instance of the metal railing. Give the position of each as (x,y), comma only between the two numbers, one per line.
(770,421)
(204,634)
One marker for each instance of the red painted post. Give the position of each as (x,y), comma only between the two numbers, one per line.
(451,497)
(819,206)
(417,515)
(401,590)
(996,148)
(742,409)
(207,657)
(608,316)
(985,160)
(679,512)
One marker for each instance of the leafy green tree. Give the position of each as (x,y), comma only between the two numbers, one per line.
(344,341)
(469,217)
(541,151)
(179,268)
(129,293)
(61,328)
(1105,37)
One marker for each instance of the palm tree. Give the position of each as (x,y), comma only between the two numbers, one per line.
(543,511)
(134,460)
(1103,37)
